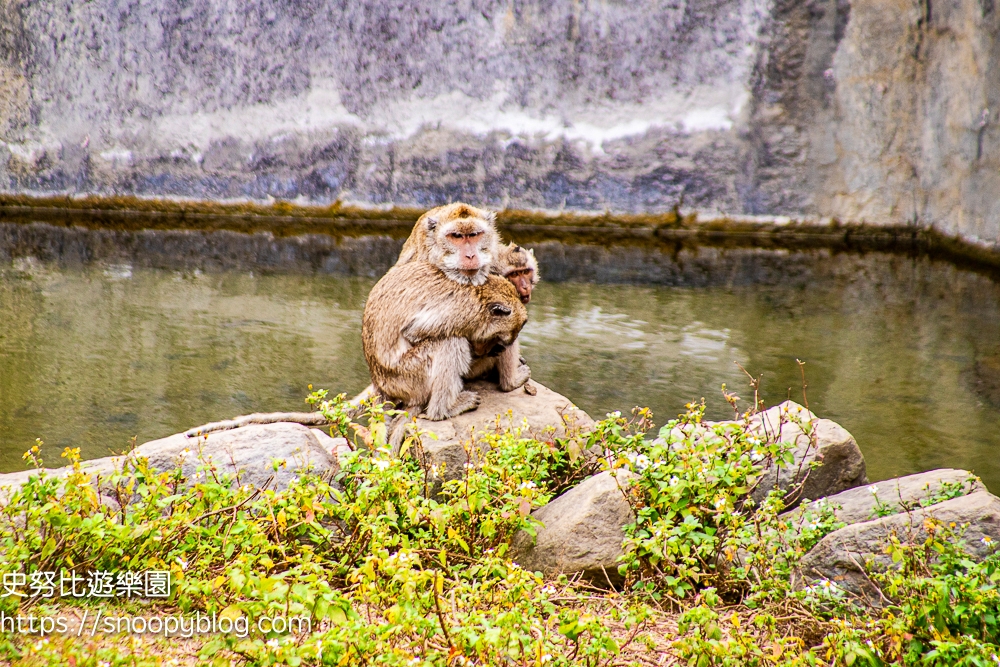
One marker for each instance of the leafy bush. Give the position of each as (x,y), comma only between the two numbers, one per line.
(397,562)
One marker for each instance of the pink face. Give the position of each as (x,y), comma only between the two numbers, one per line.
(465,246)
(523,281)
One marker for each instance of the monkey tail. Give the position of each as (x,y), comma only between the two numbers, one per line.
(304,418)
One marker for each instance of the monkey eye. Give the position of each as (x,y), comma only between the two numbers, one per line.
(499,309)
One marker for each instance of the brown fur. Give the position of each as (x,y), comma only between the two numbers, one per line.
(420,330)
(519,266)
(429,242)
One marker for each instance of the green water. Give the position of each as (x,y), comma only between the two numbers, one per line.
(904,353)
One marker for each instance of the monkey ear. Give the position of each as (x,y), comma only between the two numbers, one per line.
(499,309)
(432,224)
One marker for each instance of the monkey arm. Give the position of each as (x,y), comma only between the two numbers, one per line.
(428,323)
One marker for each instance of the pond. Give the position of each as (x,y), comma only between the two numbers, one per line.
(108,337)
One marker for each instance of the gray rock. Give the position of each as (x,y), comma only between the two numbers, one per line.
(548,415)
(262,454)
(336,447)
(582,531)
(250,454)
(841,556)
(843,465)
(898,495)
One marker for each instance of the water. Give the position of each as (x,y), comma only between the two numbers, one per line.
(904,352)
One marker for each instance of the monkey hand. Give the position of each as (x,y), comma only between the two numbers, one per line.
(520,376)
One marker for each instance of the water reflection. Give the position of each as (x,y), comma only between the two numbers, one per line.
(905,353)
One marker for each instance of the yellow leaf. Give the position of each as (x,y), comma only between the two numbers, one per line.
(282,519)
(439,583)
(232,612)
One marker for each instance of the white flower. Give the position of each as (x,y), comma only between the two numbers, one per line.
(756,457)
(272,643)
(719,503)
(382,464)
(873,489)
(987,540)
(549,590)
(183,563)
(674,480)
(527,486)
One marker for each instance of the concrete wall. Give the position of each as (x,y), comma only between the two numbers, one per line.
(882,111)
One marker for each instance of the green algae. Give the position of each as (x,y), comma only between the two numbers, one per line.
(670,230)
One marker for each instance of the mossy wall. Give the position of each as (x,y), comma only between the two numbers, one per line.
(874,111)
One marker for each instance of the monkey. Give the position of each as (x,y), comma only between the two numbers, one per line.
(441,234)
(420,330)
(517,265)
(459,239)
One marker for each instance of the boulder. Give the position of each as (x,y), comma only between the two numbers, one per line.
(843,466)
(260,455)
(548,415)
(898,495)
(582,531)
(254,453)
(841,556)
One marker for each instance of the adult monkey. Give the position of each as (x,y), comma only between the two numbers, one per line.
(420,330)
(461,240)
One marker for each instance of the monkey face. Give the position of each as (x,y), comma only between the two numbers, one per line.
(463,249)
(523,281)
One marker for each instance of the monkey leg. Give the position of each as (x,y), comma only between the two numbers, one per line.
(449,361)
(480,366)
(513,373)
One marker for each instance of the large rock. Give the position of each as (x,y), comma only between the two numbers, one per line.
(898,495)
(270,455)
(582,531)
(548,415)
(829,444)
(843,465)
(842,556)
